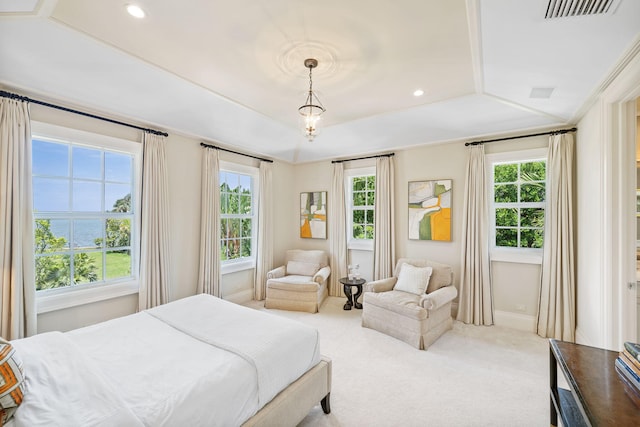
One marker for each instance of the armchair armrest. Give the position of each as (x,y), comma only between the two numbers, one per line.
(382,285)
(276,273)
(322,275)
(437,299)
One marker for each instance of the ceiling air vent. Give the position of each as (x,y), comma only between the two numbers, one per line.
(541,92)
(568,8)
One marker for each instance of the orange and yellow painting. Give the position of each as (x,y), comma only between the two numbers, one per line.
(430,210)
(313,215)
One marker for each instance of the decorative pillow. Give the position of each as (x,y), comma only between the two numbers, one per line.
(440,277)
(302,268)
(11,380)
(413,279)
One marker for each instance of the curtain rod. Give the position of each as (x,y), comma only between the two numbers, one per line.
(553,132)
(202,144)
(10,95)
(362,158)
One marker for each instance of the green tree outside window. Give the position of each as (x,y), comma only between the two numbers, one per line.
(236,219)
(519,197)
(363,206)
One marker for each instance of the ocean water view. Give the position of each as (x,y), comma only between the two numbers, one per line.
(91,262)
(85,231)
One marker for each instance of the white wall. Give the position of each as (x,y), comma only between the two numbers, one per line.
(515,285)
(87,314)
(590,267)
(442,161)
(307,177)
(515,294)
(184,171)
(184,168)
(606,270)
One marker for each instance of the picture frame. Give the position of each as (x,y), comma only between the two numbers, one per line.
(429,209)
(313,215)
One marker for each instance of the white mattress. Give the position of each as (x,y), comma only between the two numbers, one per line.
(196,361)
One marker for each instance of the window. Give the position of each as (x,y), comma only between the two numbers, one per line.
(238,216)
(85,211)
(361,186)
(518,194)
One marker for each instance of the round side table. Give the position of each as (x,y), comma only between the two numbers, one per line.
(352,300)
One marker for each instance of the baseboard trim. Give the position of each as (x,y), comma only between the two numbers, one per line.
(521,322)
(240,297)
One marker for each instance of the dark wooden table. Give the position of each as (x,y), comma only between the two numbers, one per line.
(597,395)
(352,300)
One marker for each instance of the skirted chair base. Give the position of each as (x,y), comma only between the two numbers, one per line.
(414,326)
(295,296)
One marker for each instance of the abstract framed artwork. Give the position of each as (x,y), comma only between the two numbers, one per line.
(313,215)
(430,210)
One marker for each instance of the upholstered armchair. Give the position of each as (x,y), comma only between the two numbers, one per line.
(300,284)
(414,305)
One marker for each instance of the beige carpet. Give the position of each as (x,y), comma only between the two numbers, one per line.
(471,376)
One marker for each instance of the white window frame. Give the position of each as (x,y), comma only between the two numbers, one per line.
(349,174)
(234,265)
(518,255)
(61,298)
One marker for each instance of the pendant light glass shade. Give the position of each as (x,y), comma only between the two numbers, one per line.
(312,109)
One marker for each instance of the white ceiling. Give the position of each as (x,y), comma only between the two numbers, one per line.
(231,71)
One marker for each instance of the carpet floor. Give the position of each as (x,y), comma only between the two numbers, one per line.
(471,376)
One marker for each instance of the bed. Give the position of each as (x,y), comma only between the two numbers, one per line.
(198,361)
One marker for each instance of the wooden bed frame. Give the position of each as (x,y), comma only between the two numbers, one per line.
(292,404)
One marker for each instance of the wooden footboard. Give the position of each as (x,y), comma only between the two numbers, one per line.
(293,403)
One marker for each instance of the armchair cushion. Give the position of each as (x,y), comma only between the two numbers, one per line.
(402,303)
(413,279)
(294,283)
(302,268)
(441,276)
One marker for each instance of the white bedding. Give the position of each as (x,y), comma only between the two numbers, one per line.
(64,389)
(196,361)
(280,350)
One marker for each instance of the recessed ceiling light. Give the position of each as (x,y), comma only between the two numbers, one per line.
(418,92)
(135,11)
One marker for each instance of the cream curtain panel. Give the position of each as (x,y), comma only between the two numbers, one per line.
(384,230)
(210,276)
(154,243)
(476,295)
(264,257)
(337,231)
(557,300)
(18,298)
